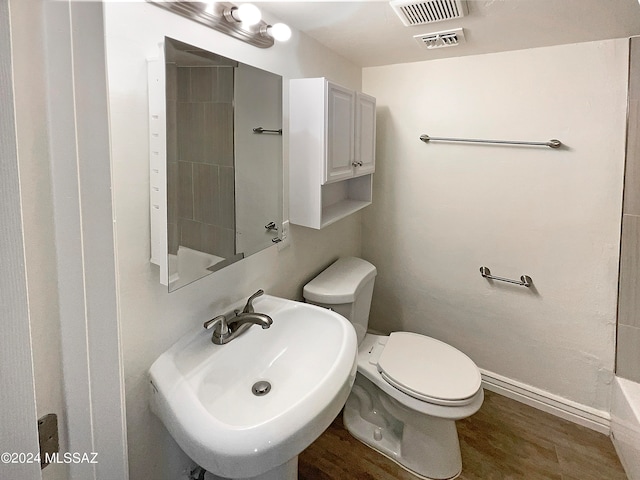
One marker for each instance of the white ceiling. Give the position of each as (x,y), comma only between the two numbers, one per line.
(369,33)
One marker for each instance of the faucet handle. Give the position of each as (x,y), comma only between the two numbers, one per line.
(248,308)
(221,321)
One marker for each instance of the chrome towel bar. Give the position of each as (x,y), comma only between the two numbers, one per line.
(525,280)
(266,130)
(553,143)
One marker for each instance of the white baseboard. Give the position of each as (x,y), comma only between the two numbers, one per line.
(589,417)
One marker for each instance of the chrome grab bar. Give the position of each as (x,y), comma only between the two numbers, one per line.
(525,280)
(553,143)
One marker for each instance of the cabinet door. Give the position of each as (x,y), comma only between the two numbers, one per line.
(365,139)
(340,125)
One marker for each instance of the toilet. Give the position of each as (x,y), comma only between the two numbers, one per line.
(409,388)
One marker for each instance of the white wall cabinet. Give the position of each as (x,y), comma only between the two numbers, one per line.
(332,151)
(365,133)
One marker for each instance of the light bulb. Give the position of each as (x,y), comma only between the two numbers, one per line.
(210,7)
(279,32)
(248,14)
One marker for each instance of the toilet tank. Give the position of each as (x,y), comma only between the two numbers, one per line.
(346,287)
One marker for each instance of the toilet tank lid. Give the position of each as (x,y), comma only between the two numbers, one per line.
(340,282)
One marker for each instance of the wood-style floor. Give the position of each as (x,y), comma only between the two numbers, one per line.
(504,440)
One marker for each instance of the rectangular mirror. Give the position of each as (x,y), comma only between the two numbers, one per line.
(216,131)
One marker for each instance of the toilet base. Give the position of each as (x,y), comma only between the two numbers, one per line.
(423,445)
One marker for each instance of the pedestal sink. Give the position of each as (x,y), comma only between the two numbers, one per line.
(246,409)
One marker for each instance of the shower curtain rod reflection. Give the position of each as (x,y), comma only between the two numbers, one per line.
(553,143)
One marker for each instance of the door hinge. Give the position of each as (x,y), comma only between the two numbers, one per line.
(48,438)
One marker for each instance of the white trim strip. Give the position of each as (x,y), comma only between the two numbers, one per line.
(598,420)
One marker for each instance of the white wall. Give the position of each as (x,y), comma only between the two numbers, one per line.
(441,211)
(151,319)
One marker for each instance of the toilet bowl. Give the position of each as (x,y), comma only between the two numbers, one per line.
(409,389)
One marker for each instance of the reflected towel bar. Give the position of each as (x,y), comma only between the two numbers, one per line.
(553,143)
(266,130)
(525,280)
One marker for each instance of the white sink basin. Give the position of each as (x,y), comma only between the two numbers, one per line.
(203,392)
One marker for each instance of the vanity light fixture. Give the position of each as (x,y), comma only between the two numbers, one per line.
(247,14)
(241,22)
(209,8)
(279,31)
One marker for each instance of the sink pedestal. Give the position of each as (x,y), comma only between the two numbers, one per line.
(286,471)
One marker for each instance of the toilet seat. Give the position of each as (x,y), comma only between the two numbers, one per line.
(427,369)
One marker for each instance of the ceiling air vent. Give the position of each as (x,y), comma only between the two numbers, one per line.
(450,38)
(428,11)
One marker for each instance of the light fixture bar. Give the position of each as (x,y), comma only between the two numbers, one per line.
(212,15)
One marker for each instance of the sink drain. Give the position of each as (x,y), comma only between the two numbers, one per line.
(261,388)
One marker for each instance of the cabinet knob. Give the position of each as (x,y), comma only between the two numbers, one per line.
(356,164)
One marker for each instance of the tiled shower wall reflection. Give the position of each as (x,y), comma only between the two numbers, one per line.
(201,208)
(628,350)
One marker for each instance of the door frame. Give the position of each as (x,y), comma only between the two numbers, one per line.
(17,386)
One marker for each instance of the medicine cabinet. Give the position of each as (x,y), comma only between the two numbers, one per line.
(215,128)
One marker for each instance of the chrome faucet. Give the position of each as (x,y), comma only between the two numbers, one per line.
(226,330)
(220,328)
(248,308)
(252,318)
